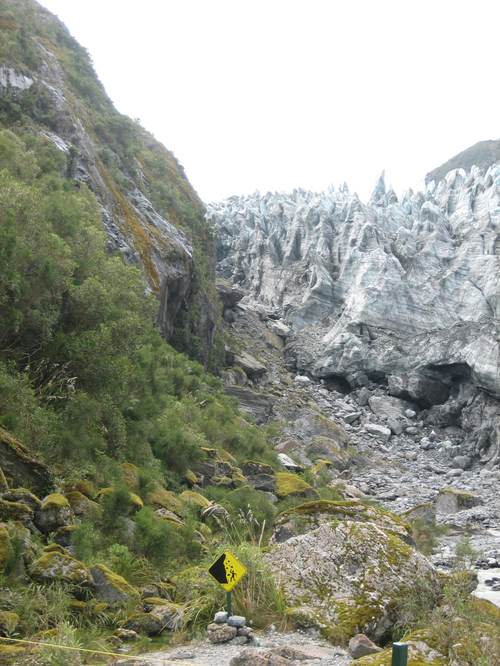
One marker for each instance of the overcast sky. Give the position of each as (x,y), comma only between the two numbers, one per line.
(277,94)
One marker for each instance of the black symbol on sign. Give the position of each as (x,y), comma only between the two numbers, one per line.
(219,571)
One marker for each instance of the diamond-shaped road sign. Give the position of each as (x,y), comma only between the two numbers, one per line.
(227,570)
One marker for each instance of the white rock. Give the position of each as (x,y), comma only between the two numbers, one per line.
(287,462)
(378,430)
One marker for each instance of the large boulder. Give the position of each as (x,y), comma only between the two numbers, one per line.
(58,565)
(360,646)
(54,512)
(343,575)
(452,500)
(111,587)
(252,367)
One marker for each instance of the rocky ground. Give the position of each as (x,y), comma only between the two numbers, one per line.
(288,648)
(379,446)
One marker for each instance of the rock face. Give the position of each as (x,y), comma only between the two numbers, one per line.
(152,215)
(404,293)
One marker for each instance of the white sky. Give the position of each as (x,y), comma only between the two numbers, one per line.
(276,94)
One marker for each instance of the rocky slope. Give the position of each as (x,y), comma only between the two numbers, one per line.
(400,294)
(151,213)
(482,154)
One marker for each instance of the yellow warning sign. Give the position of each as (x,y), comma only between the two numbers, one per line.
(227,570)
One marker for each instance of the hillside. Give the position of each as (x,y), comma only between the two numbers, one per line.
(151,213)
(482,154)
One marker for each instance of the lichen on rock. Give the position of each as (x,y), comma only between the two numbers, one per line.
(346,573)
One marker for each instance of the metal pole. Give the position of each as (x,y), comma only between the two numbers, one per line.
(229,603)
(400,654)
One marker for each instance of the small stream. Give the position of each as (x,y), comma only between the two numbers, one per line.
(484,591)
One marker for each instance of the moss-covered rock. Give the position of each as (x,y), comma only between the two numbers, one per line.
(83,486)
(309,515)
(4,486)
(58,565)
(346,574)
(24,496)
(5,547)
(193,499)
(20,466)
(288,484)
(80,504)
(130,475)
(451,500)
(170,615)
(15,511)
(54,512)
(135,502)
(160,497)
(9,622)
(111,587)
(143,623)
(419,654)
(329,449)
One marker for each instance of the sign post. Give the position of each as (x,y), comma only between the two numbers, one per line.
(399,654)
(227,571)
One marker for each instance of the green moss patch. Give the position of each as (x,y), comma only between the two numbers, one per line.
(288,484)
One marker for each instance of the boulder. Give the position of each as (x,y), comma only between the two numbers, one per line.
(58,565)
(221,617)
(279,328)
(9,622)
(111,587)
(252,367)
(423,389)
(288,484)
(389,407)
(461,462)
(170,615)
(360,645)
(452,500)
(229,295)
(236,621)
(15,511)
(258,405)
(419,653)
(80,504)
(288,463)
(264,482)
(221,633)
(23,496)
(378,430)
(344,575)
(54,512)
(253,657)
(143,623)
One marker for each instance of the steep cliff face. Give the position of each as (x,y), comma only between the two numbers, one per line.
(404,293)
(150,211)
